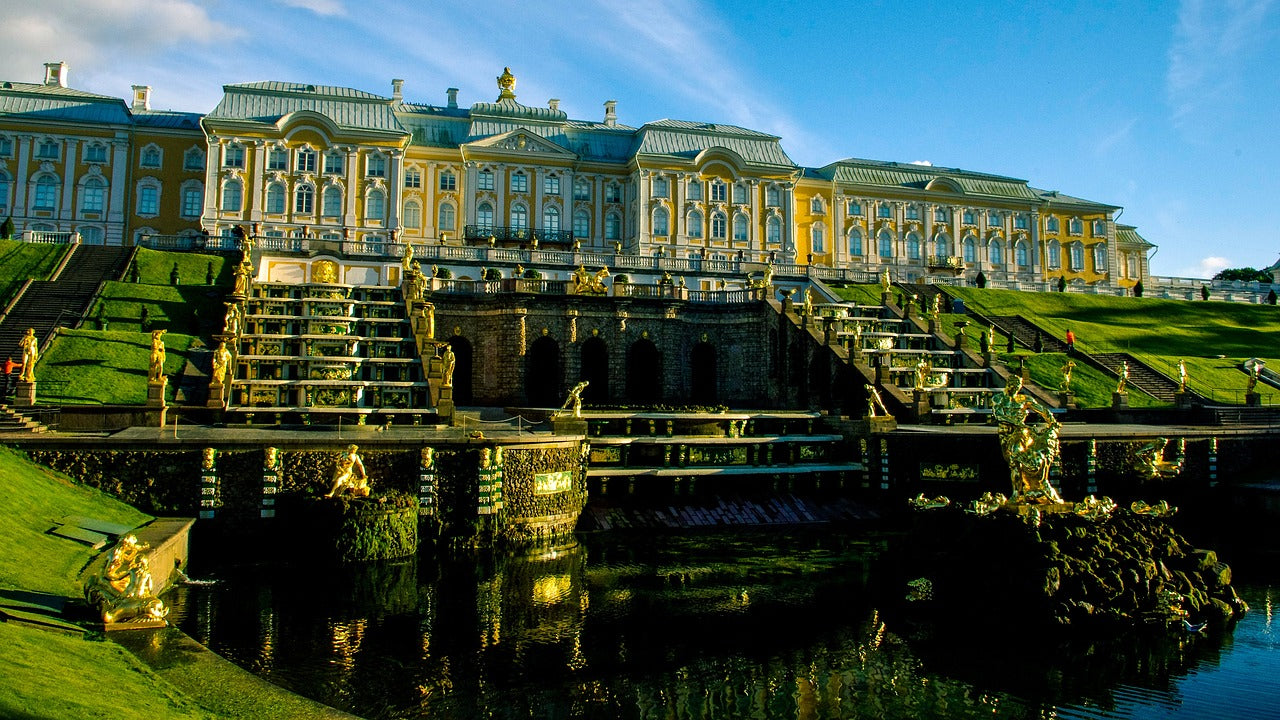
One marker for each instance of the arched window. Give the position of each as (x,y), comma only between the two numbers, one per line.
(581,224)
(519,217)
(1075,226)
(815,205)
(551,219)
(275,198)
(1053,254)
(970,249)
(93,195)
(941,245)
(1020,254)
(1100,258)
(694,224)
(1052,225)
(773,231)
(193,159)
(304,200)
(1077,256)
(448,218)
(613,226)
(718,222)
(331,203)
(855,242)
(997,252)
(913,246)
(1099,228)
(484,216)
(232,196)
(413,215)
(886,243)
(375,206)
(661,222)
(740,228)
(818,238)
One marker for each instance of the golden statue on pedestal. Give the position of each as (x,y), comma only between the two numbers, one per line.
(349,474)
(155,372)
(30,353)
(573,403)
(125,589)
(1030,450)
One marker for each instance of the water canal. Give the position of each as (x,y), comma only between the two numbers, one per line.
(776,624)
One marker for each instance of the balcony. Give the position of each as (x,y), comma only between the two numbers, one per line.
(946,262)
(505,234)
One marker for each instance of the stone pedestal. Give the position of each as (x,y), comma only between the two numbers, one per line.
(933,325)
(886,298)
(444,406)
(987,357)
(568,425)
(882,424)
(1120,400)
(920,403)
(1066,400)
(25,396)
(155,392)
(1252,399)
(216,393)
(1182,400)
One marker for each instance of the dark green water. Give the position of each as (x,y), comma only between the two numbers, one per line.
(738,625)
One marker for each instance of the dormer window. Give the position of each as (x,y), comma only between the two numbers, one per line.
(96,152)
(277,159)
(306,160)
(150,157)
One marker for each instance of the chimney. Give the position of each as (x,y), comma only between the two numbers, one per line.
(453,97)
(610,113)
(55,73)
(141,97)
(397,90)
(554,104)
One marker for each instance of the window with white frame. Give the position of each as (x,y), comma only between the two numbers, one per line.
(613,193)
(659,186)
(661,222)
(192,199)
(1099,228)
(739,228)
(551,219)
(47,150)
(718,226)
(4,192)
(232,195)
(695,189)
(277,158)
(967,217)
(694,224)
(484,180)
(885,210)
(581,189)
(772,196)
(150,157)
(45,195)
(996,251)
(855,242)
(449,181)
(275,198)
(1077,256)
(718,191)
(413,178)
(855,207)
(993,219)
(413,215)
(613,226)
(970,248)
(519,217)
(885,241)
(6,147)
(306,160)
(448,219)
(375,165)
(1131,265)
(193,159)
(913,212)
(818,238)
(739,193)
(335,163)
(773,231)
(1051,225)
(1022,221)
(1100,258)
(331,202)
(148,198)
(551,185)
(375,205)
(1075,226)
(815,205)
(484,216)
(519,182)
(1021,255)
(942,215)
(93,195)
(942,245)
(581,224)
(913,246)
(1053,254)
(304,200)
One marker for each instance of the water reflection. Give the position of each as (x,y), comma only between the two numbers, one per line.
(714,626)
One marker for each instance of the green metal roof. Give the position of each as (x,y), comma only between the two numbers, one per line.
(267,102)
(882,174)
(685,139)
(1127,235)
(53,102)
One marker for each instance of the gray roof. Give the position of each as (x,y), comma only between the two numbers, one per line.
(878,173)
(1055,198)
(167,119)
(267,102)
(53,102)
(1128,235)
(684,139)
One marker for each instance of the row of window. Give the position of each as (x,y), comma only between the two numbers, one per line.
(45,191)
(941,248)
(304,200)
(486,180)
(1021,221)
(718,226)
(718,191)
(305,160)
(48,149)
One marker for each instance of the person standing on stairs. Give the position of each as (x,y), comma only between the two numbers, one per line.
(1071,341)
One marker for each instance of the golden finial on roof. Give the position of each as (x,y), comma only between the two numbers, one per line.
(506,85)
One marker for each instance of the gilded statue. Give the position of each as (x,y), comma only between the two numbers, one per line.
(1182,376)
(271,459)
(506,85)
(1093,508)
(30,353)
(221,361)
(1124,376)
(573,403)
(125,588)
(231,323)
(1159,509)
(1149,461)
(884,281)
(450,360)
(1067,368)
(349,474)
(875,403)
(1030,450)
(585,283)
(427,457)
(407,260)
(155,372)
(1253,368)
(920,502)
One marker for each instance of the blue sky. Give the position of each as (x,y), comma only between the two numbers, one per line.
(1160,107)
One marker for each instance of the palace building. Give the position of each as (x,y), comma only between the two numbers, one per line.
(290,160)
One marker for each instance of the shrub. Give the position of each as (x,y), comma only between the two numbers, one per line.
(1138,289)
(532,274)
(622,279)
(981,280)
(443,273)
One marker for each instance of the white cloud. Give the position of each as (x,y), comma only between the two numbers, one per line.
(327,8)
(1211,42)
(925,163)
(1207,267)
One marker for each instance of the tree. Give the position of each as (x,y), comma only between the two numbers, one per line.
(1138,289)
(1244,274)
(6,229)
(1271,297)
(981,280)
(1204,292)
(1062,284)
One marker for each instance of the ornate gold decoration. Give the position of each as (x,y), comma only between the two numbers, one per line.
(1182,376)
(1124,376)
(155,372)
(125,588)
(988,503)
(221,361)
(1149,460)
(1092,508)
(586,284)
(506,85)
(1066,375)
(573,403)
(349,474)
(1030,450)
(1160,509)
(920,502)
(30,353)
(324,271)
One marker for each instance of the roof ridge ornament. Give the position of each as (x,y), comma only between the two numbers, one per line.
(506,85)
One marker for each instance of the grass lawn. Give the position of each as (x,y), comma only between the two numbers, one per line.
(861,294)
(187,309)
(93,367)
(1092,388)
(1157,331)
(20,261)
(155,267)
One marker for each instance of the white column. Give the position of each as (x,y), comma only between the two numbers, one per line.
(212,191)
(468,189)
(755,241)
(395,188)
(20,175)
(598,204)
(353,187)
(116,203)
(644,217)
(254,200)
(430,186)
(67,208)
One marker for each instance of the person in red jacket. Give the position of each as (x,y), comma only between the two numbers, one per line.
(1071,341)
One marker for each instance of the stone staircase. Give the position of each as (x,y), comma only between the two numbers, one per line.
(1024,332)
(1141,376)
(12,421)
